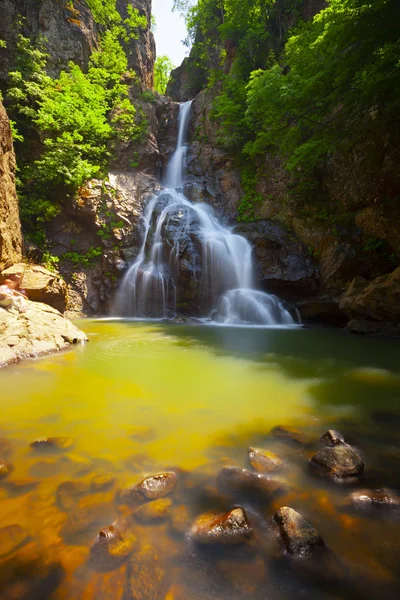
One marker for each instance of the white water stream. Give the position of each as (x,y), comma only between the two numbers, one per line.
(189,260)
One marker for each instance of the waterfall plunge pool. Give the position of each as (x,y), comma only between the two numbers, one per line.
(142,398)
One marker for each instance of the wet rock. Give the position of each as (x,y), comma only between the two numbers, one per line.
(264,461)
(52,443)
(229,528)
(289,435)
(237,480)
(101,483)
(6,448)
(338,462)
(141,433)
(381,498)
(69,492)
(5,469)
(11,538)
(333,438)
(150,488)
(156,510)
(113,545)
(146,576)
(300,537)
(180,518)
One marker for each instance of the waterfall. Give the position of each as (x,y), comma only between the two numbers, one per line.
(189,261)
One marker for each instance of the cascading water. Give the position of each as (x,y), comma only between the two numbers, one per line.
(188,260)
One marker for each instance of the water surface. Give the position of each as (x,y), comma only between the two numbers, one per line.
(142,398)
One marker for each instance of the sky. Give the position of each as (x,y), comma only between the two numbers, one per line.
(169,32)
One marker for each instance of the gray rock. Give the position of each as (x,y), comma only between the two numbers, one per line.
(338,462)
(299,536)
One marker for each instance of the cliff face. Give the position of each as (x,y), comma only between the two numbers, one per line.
(70,34)
(10,229)
(68,28)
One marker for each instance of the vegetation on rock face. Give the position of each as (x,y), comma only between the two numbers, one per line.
(65,128)
(303,91)
(162,69)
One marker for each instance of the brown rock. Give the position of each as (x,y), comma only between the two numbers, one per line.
(52,443)
(338,462)
(382,498)
(300,537)
(113,545)
(11,538)
(10,228)
(377,300)
(40,284)
(5,469)
(147,577)
(154,487)
(156,510)
(229,528)
(264,461)
(100,483)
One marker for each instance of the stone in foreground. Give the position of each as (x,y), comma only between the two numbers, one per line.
(338,462)
(300,537)
(229,528)
(264,461)
(382,498)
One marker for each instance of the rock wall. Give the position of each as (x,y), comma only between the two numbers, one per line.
(10,229)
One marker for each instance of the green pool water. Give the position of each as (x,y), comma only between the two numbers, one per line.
(141,398)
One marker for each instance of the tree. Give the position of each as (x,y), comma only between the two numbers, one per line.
(162,70)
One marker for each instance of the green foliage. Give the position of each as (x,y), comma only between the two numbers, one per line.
(50,261)
(162,70)
(305,95)
(85,259)
(65,128)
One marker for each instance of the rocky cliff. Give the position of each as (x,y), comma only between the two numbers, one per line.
(10,228)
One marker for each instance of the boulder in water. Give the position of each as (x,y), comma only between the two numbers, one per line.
(5,469)
(229,528)
(299,536)
(381,498)
(52,443)
(289,435)
(338,462)
(235,480)
(151,488)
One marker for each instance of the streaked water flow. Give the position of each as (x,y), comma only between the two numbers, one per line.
(190,263)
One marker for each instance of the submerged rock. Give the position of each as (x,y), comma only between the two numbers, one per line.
(381,498)
(229,528)
(146,576)
(150,488)
(11,538)
(289,435)
(5,469)
(180,518)
(156,510)
(69,492)
(100,483)
(264,461)
(52,443)
(333,438)
(238,480)
(299,536)
(21,486)
(338,462)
